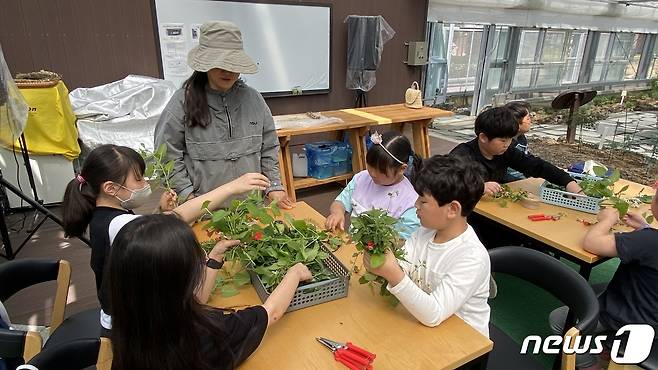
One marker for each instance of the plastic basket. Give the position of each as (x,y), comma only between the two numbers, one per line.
(314,293)
(566,199)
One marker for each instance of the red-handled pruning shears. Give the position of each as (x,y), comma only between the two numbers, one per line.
(349,355)
(543,217)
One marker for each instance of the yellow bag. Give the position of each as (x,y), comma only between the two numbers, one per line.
(413,97)
(50,125)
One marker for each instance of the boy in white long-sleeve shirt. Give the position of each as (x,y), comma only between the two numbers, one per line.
(447,268)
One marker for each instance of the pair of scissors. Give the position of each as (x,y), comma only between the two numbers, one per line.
(349,355)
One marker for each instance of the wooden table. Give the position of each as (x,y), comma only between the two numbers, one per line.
(565,235)
(397,338)
(355,123)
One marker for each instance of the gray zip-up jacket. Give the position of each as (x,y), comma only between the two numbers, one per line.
(240,138)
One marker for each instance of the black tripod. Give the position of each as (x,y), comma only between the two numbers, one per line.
(36,203)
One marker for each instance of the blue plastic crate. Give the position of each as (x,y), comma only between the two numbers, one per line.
(328,158)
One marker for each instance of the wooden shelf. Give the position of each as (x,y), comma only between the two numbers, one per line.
(307,182)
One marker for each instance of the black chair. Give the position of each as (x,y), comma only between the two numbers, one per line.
(19,274)
(17,346)
(554,277)
(82,325)
(75,355)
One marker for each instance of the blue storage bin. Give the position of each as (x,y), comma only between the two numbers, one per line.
(328,158)
(343,167)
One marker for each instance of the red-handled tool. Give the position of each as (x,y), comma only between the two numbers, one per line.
(543,217)
(361,351)
(348,354)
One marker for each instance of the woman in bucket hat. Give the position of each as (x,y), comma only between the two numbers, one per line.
(217,128)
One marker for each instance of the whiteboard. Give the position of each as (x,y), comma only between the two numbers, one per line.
(289,43)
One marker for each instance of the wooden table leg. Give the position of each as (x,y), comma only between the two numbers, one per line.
(357,141)
(285,167)
(421,138)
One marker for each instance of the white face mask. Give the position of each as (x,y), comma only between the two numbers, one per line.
(137,197)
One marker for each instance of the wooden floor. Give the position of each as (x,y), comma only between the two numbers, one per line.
(32,305)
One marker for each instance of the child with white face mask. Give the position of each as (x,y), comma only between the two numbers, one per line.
(110,185)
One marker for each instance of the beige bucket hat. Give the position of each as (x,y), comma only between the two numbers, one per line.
(220,46)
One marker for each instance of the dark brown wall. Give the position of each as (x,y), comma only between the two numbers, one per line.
(94,42)
(90,42)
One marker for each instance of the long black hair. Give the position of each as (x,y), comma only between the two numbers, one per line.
(154,270)
(399,146)
(196,101)
(105,163)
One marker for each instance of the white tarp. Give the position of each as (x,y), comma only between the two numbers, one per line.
(13,108)
(123,112)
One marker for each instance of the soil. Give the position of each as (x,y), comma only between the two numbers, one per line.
(634,167)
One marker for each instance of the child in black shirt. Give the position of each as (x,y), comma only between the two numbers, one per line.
(495,129)
(631,297)
(155,270)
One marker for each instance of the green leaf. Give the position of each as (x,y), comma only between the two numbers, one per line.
(622,207)
(266,219)
(623,189)
(288,218)
(276,211)
(383,291)
(615,176)
(392,300)
(377,260)
(161,152)
(312,254)
(369,277)
(300,225)
(205,204)
(261,270)
(218,215)
(649,219)
(148,172)
(241,278)
(645,198)
(271,252)
(169,167)
(241,235)
(228,290)
(363,280)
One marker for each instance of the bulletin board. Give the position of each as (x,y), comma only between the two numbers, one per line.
(291,44)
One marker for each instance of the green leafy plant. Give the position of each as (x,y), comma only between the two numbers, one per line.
(158,169)
(604,189)
(507,194)
(373,232)
(228,282)
(269,247)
